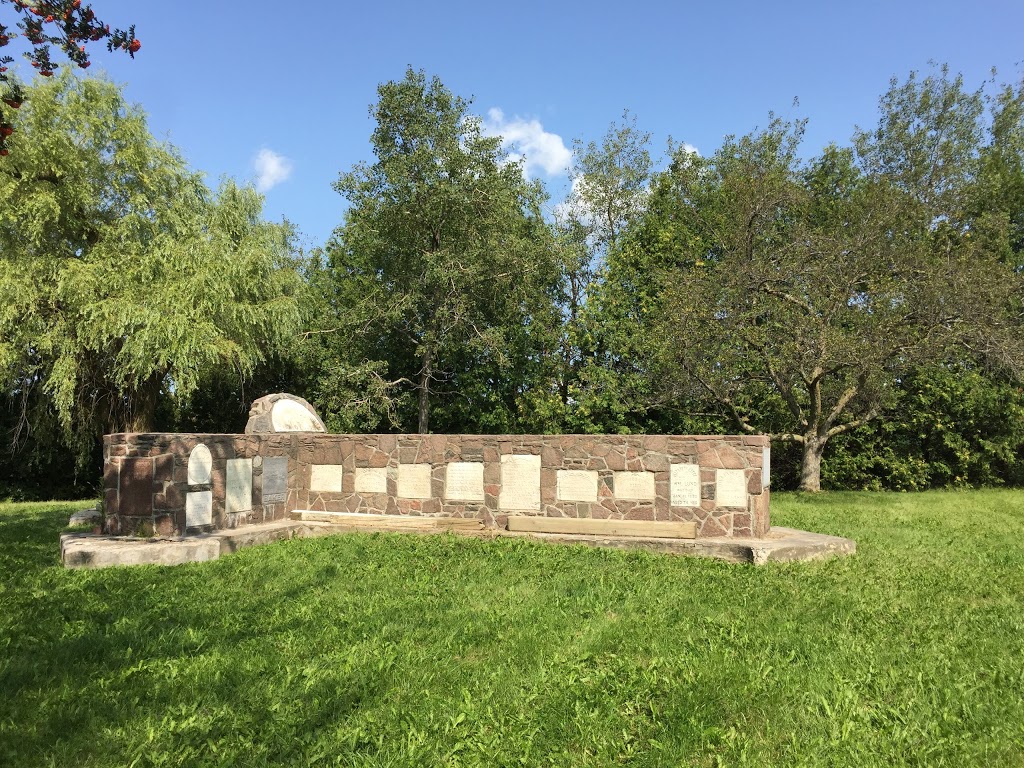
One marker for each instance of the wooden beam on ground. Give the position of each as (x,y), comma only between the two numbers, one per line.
(588,526)
(388,521)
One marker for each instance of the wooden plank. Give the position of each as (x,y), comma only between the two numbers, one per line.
(350,518)
(387,521)
(587,526)
(469,523)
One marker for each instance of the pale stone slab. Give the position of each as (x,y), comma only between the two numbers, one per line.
(520,482)
(685,485)
(275,479)
(238,494)
(198,508)
(86,517)
(730,488)
(324,478)
(577,485)
(414,481)
(200,465)
(766,467)
(634,485)
(371,480)
(290,416)
(464,481)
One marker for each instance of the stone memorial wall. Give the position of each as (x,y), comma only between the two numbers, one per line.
(173,484)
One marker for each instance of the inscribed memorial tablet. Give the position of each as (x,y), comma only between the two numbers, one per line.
(634,485)
(464,481)
(238,494)
(414,481)
(325,478)
(371,480)
(198,508)
(520,482)
(275,479)
(200,465)
(685,485)
(731,488)
(766,467)
(577,485)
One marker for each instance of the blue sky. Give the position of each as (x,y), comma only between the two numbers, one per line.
(268,92)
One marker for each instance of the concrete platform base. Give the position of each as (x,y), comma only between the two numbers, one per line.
(86,550)
(782,545)
(89,550)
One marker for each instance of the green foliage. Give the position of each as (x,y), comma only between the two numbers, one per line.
(822,286)
(956,428)
(432,651)
(440,278)
(123,276)
(872,293)
(66,24)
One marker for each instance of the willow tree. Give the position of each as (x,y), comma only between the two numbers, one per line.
(441,271)
(121,275)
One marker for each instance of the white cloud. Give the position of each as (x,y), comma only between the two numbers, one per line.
(527,140)
(271,169)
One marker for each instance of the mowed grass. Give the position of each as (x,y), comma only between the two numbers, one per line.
(392,650)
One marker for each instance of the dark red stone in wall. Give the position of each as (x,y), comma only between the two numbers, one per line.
(136,488)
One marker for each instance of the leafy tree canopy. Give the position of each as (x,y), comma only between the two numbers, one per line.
(121,275)
(442,268)
(66,24)
(820,285)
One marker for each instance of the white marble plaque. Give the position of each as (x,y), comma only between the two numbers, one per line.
(520,482)
(290,416)
(324,478)
(577,485)
(200,465)
(464,481)
(198,508)
(634,485)
(238,492)
(731,488)
(414,481)
(371,480)
(766,466)
(685,485)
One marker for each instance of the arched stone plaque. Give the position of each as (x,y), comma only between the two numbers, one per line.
(282,412)
(200,465)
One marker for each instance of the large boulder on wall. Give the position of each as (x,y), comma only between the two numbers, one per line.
(282,412)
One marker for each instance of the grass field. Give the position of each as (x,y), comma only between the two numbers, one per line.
(391,650)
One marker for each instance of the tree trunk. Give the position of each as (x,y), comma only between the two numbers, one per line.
(144,402)
(424,399)
(810,470)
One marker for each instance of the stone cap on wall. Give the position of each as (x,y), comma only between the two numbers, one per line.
(282,412)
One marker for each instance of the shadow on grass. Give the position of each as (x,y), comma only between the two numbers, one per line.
(30,539)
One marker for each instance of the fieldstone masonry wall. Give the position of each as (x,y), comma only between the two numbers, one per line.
(187,483)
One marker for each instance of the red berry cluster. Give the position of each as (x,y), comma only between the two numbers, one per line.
(66,24)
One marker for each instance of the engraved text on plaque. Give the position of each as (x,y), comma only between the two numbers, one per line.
(464,481)
(685,485)
(731,488)
(520,482)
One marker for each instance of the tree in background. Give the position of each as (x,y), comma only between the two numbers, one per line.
(997,202)
(440,276)
(66,24)
(122,277)
(609,187)
(956,426)
(824,284)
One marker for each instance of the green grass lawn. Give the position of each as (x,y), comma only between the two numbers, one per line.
(391,650)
